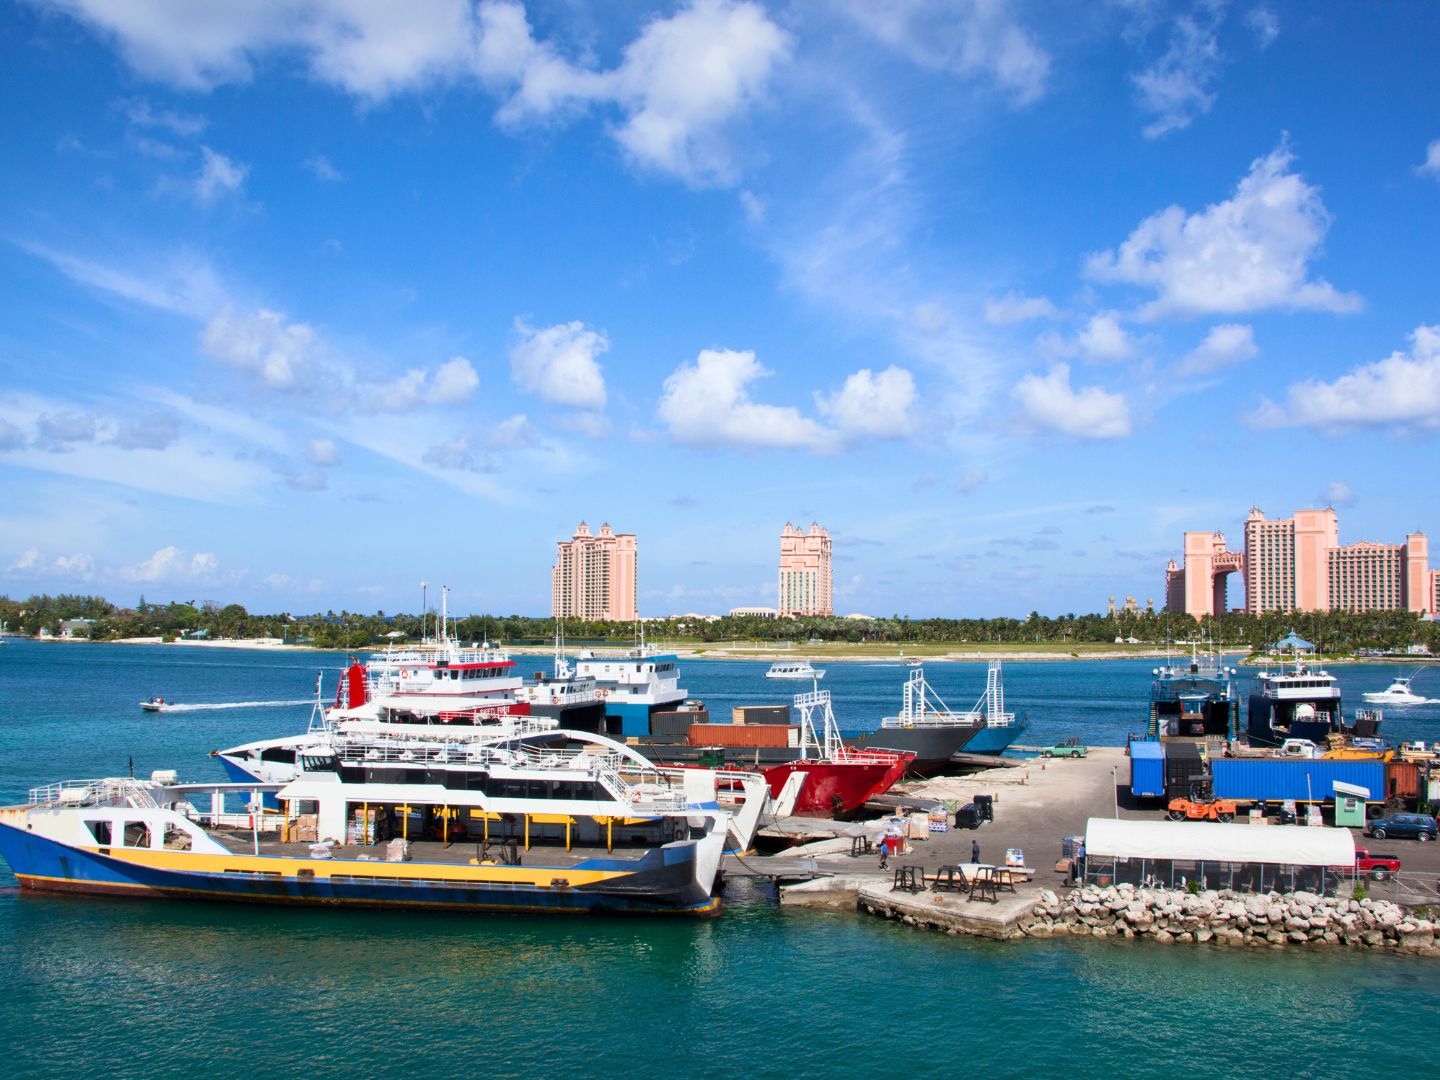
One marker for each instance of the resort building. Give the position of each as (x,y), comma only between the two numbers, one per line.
(806,587)
(594,576)
(1298,564)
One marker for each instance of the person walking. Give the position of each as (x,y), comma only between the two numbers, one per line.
(975,852)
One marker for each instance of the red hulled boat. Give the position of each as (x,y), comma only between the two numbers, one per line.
(838,778)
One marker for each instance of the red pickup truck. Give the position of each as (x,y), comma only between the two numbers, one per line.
(1379,867)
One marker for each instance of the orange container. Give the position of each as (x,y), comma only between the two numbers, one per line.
(765,735)
(1402,778)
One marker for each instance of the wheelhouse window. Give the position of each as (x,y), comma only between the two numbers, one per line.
(100,830)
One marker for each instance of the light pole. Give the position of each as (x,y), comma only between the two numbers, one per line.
(424,586)
(1115,786)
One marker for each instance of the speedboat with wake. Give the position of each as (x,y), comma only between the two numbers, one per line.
(1399,692)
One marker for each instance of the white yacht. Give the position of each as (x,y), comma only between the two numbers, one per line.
(794,669)
(1398,692)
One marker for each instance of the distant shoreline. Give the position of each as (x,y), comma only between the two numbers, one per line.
(723,652)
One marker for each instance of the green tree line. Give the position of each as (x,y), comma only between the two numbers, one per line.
(1332,631)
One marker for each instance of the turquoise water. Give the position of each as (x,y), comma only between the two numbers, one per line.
(161,988)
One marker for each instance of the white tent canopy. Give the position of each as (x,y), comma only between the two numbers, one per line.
(1201,841)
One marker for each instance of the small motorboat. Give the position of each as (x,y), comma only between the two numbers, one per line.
(154,704)
(1397,693)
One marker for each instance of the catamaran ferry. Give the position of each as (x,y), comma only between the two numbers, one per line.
(520,826)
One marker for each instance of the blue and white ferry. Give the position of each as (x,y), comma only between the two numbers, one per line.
(379,821)
(633,684)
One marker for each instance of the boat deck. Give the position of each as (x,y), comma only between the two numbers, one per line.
(460,853)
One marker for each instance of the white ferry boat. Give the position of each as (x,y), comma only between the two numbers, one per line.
(794,669)
(469,825)
(633,684)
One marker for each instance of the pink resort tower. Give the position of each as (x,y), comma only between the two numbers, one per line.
(594,576)
(806,587)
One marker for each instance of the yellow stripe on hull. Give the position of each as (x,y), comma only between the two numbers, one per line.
(287,867)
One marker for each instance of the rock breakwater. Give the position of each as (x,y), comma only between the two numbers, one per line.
(1238,919)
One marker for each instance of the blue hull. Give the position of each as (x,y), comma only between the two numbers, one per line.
(634,719)
(995,740)
(47,866)
(240,776)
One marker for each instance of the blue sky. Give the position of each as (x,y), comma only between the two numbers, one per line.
(307,300)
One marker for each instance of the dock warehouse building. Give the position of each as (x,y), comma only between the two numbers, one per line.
(1243,858)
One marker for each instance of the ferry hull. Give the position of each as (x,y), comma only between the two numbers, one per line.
(932,747)
(661,882)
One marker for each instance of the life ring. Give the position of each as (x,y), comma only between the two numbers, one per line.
(554,700)
(604,693)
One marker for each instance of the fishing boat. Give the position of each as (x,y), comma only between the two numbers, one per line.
(838,778)
(794,669)
(1399,692)
(928,728)
(523,826)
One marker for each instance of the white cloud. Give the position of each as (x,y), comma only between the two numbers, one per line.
(140,113)
(1431,165)
(32,564)
(1016,307)
(218,176)
(973,38)
(452,383)
(686,77)
(12,436)
(1337,493)
(368,49)
(1176,87)
(60,431)
(1401,391)
(754,207)
(876,405)
(1104,340)
(321,168)
(1224,345)
(156,430)
(1049,403)
(323,452)
(681,82)
(484,451)
(1264,24)
(171,564)
(278,353)
(707,403)
(559,363)
(1249,253)
(182,284)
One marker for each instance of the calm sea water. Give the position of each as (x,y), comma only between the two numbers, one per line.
(161,988)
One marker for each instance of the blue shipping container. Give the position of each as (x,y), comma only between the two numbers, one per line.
(1274,780)
(1147,770)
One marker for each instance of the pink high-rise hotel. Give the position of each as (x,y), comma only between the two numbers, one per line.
(806,587)
(1299,564)
(594,576)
